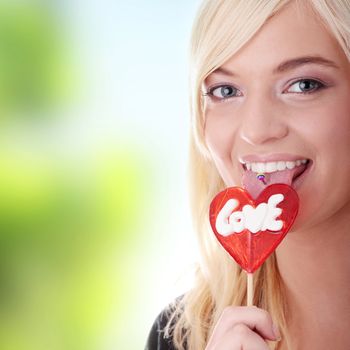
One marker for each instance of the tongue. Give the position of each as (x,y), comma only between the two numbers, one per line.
(254,186)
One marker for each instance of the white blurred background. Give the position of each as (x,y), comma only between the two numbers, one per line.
(96,233)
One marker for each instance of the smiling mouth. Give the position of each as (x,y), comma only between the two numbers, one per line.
(258,175)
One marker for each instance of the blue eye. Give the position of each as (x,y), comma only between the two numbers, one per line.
(305,86)
(223,92)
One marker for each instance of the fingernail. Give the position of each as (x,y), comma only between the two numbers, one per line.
(276,332)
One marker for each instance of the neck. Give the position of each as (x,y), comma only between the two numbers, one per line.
(315,269)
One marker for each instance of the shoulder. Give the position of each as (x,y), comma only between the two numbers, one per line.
(157,339)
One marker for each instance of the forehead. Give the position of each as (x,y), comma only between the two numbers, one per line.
(295,31)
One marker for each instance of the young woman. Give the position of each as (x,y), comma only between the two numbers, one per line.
(270,84)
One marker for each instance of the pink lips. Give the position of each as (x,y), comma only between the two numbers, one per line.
(275,157)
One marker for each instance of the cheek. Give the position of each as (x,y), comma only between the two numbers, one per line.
(220,138)
(219,135)
(327,131)
(327,128)
(334,146)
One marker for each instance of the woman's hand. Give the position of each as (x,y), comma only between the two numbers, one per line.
(243,328)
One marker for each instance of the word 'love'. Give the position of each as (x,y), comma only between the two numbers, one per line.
(261,218)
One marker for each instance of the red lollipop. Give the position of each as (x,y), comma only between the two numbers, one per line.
(250,230)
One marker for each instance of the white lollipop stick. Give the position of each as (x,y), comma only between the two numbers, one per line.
(250,289)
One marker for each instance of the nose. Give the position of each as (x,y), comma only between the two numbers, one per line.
(262,121)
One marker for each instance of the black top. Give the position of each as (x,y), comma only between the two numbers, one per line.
(156,339)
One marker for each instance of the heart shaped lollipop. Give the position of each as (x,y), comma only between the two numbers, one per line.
(250,230)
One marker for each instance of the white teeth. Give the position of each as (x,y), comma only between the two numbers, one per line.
(290,165)
(281,166)
(260,168)
(271,167)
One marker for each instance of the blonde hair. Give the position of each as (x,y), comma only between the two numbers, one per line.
(221,28)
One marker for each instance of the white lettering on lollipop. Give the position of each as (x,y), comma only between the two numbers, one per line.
(261,218)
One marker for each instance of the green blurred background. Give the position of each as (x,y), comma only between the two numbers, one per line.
(95,235)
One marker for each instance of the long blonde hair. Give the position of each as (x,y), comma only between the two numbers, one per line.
(221,28)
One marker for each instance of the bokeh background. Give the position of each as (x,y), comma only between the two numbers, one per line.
(95,233)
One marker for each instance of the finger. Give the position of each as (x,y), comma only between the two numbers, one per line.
(256,319)
(243,338)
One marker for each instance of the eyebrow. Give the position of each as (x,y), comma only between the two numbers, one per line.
(290,64)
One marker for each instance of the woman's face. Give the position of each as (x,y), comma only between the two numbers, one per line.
(285,96)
